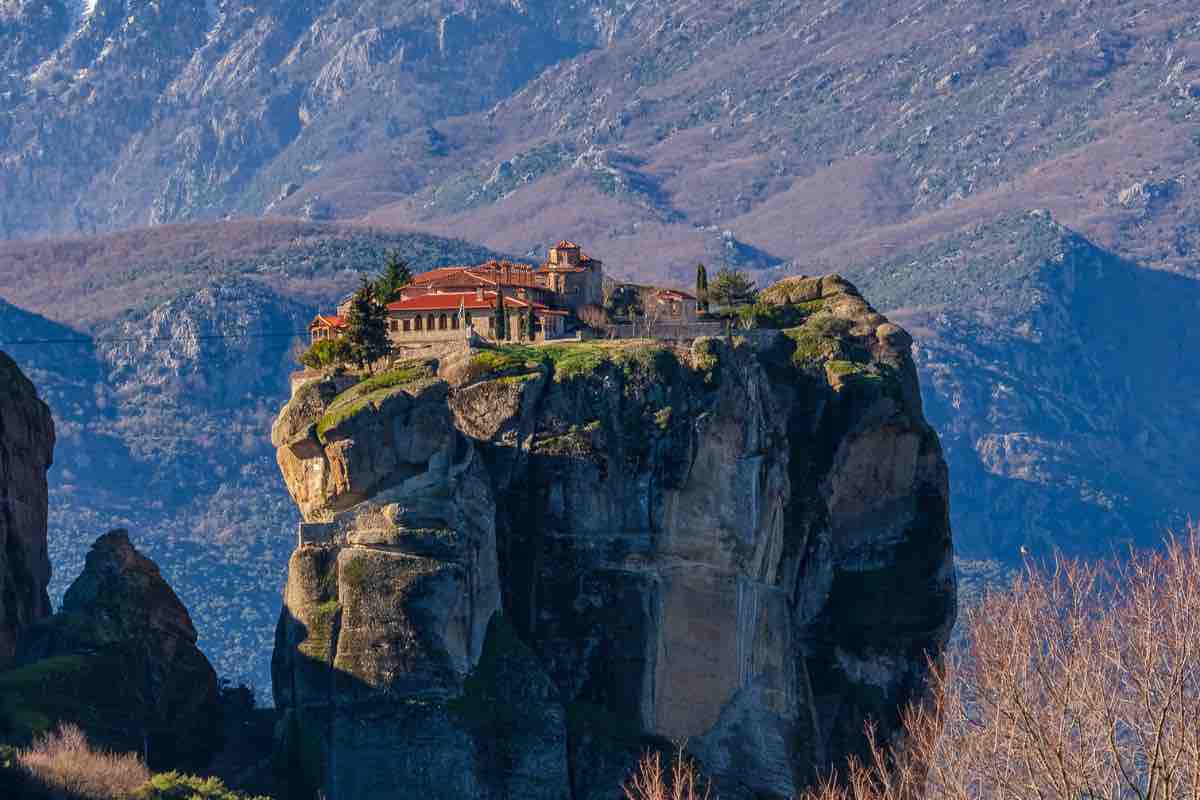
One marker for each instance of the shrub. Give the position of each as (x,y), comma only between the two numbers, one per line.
(766,315)
(326,353)
(1080,681)
(174,786)
(67,764)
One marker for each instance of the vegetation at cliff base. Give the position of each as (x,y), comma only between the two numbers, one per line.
(64,765)
(1081,680)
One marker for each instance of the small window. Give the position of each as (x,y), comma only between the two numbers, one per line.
(417,323)
(393,326)
(407,326)
(454,322)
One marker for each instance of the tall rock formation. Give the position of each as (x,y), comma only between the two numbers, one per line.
(523,565)
(120,660)
(26,452)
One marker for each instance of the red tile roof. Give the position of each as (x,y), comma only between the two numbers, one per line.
(674,294)
(565,245)
(451,301)
(330,320)
(490,274)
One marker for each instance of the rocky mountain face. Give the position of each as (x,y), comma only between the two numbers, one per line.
(522,566)
(750,134)
(119,658)
(124,112)
(26,452)
(161,403)
(1063,386)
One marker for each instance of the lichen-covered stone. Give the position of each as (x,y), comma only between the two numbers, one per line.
(26,452)
(743,543)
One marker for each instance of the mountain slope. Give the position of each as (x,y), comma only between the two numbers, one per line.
(137,112)
(661,132)
(1062,380)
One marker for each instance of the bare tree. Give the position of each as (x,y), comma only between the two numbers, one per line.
(1082,681)
(650,781)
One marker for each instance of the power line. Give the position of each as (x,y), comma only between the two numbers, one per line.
(137,339)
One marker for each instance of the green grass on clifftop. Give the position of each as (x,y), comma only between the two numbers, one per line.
(372,392)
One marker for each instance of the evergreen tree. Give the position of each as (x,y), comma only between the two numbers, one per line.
(395,276)
(732,288)
(366,327)
(500,319)
(530,333)
(702,287)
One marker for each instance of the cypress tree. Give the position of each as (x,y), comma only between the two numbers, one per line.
(702,287)
(500,321)
(530,332)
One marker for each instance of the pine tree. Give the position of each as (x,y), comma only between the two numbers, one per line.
(500,319)
(366,327)
(732,288)
(395,276)
(702,287)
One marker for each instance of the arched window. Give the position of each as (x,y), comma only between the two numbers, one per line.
(393,325)
(430,323)
(454,322)
(407,326)
(417,323)
(443,323)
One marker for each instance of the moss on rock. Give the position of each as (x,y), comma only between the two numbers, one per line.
(372,393)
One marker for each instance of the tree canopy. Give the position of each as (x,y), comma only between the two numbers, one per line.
(366,326)
(731,288)
(395,276)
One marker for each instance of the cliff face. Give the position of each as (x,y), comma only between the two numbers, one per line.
(542,560)
(120,660)
(26,451)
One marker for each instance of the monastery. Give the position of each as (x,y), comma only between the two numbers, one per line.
(458,303)
(453,302)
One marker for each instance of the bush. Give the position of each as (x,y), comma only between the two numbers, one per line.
(765,315)
(326,353)
(174,786)
(1080,681)
(66,764)
(682,782)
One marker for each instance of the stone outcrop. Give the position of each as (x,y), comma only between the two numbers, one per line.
(120,660)
(543,560)
(26,452)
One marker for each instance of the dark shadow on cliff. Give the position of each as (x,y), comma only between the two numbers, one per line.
(508,728)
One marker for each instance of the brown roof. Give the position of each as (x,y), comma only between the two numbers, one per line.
(565,245)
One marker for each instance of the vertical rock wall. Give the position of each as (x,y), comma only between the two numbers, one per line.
(546,560)
(26,452)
